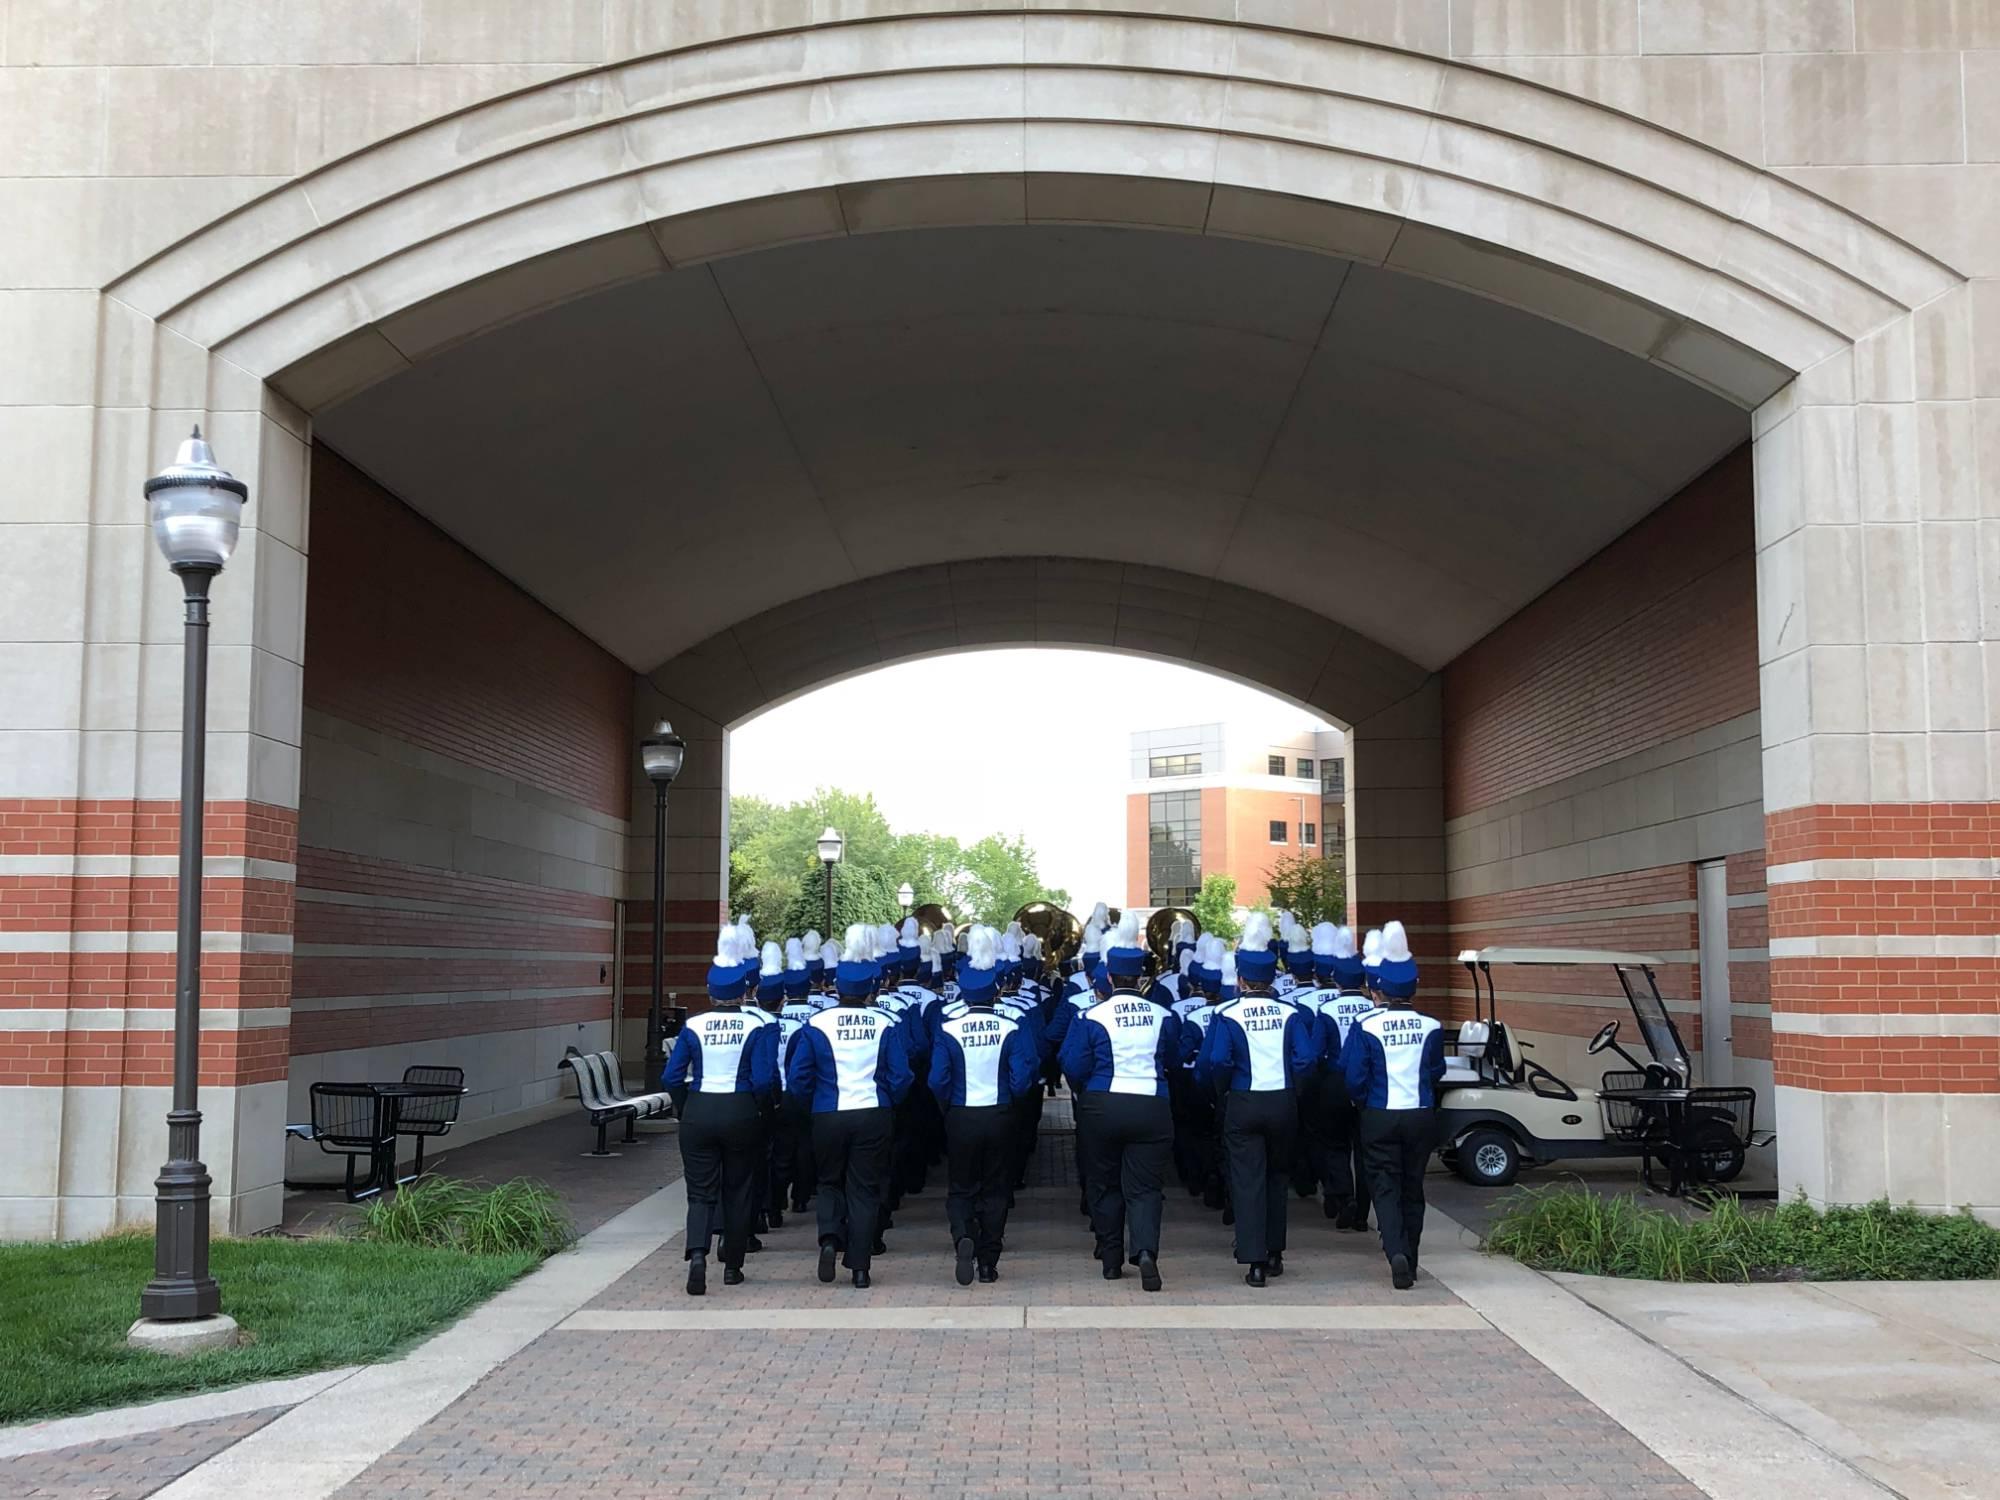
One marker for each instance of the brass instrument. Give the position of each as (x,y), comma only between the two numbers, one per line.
(1060,932)
(1160,933)
(931,916)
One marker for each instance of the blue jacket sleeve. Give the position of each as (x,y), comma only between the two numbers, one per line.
(1187,1040)
(1037,1037)
(892,1065)
(800,1073)
(1302,1044)
(1432,1066)
(679,1061)
(1079,1063)
(1023,1062)
(1357,1060)
(761,1065)
(1217,1052)
(943,1069)
(1058,1025)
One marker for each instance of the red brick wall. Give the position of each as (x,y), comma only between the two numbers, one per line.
(410,634)
(1653,638)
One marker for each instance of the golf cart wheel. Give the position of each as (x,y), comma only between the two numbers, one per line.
(1718,1154)
(1489,1158)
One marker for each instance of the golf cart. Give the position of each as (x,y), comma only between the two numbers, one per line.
(1498,1109)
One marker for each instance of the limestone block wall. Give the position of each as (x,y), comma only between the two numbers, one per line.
(1598,746)
(462,821)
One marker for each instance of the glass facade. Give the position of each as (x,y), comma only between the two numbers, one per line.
(1333,778)
(1173,765)
(1173,866)
(1305,769)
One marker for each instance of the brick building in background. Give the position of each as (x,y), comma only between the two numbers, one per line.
(1228,799)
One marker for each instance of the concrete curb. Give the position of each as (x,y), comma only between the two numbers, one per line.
(1725,1445)
(330,1437)
(156,1416)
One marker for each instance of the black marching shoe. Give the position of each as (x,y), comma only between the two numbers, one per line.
(1112,1269)
(1149,1271)
(697,1275)
(1276,1264)
(827,1252)
(1255,1275)
(776,1219)
(1335,1210)
(962,1273)
(732,1276)
(1400,1272)
(1228,1214)
(880,1247)
(753,1244)
(861,1282)
(989,1274)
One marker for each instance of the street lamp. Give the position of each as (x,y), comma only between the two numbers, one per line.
(830,845)
(196,509)
(661,753)
(906,897)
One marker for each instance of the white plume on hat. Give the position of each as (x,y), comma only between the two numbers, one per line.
(1208,950)
(1395,944)
(795,954)
(1325,940)
(729,950)
(1343,942)
(860,944)
(774,960)
(1299,938)
(1010,943)
(1371,947)
(829,953)
(1031,946)
(1127,935)
(1229,968)
(982,949)
(1093,935)
(1183,931)
(946,936)
(811,943)
(1187,959)
(1100,916)
(911,931)
(1256,933)
(885,939)
(749,935)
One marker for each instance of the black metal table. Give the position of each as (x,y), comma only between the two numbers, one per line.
(1669,1106)
(389,1106)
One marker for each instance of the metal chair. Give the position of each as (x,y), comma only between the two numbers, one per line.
(1620,1117)
(348,1120)
(1717,1128)
(427,1117)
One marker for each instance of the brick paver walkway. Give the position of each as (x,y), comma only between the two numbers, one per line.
(123,1468)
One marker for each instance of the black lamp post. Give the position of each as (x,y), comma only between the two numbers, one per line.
(661,753)
(830,845)
(196,510)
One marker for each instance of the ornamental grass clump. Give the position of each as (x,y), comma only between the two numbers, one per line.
(515,1217)
(1573,1229)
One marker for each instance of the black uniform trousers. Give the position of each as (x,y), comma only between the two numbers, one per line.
(851,1148)
(1128,1148)
(1260,1130)
(791,1154)
(980,1145)
(722,1137)
(1334,1139)
(1396,1145)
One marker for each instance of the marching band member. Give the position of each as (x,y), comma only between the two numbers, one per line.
(983,1064)
(1257,1051)
(721,1074)
(1334,1124)
(825,996)
(1116,1055)
(852,1062)
(1393,1060)
(769,997)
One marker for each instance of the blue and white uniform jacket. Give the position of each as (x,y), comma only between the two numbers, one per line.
(1338,1011)
(730,1051)
(1259,1043)
(850,1057)
(983,1057)
(1125,1044)
(1393,1059)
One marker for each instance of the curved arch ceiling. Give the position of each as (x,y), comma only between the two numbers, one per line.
(664,460)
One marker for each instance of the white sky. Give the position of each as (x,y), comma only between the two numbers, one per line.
(1057,778)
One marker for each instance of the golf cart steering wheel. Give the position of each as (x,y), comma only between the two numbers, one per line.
(1607,1034)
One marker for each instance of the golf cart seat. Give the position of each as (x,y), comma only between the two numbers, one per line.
(1468,1064)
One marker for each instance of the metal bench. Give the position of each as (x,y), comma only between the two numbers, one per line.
(600,1090)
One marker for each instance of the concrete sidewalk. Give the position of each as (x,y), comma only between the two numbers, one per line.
(1900,1379)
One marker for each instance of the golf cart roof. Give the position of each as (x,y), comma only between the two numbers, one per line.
(1549,956)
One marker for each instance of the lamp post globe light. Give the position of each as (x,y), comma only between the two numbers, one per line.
(195,507)
(661,753)
(906,897)
(830,845)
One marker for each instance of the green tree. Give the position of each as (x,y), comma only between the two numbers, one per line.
(1311,887)
(1215,906)
(859,895)
(1000,878)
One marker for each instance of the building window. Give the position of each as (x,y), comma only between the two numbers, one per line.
(1277,830)
(1305,769)
(1333,778)
(1308,835)
(1173,854)
(1174,765)
(1275,764)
